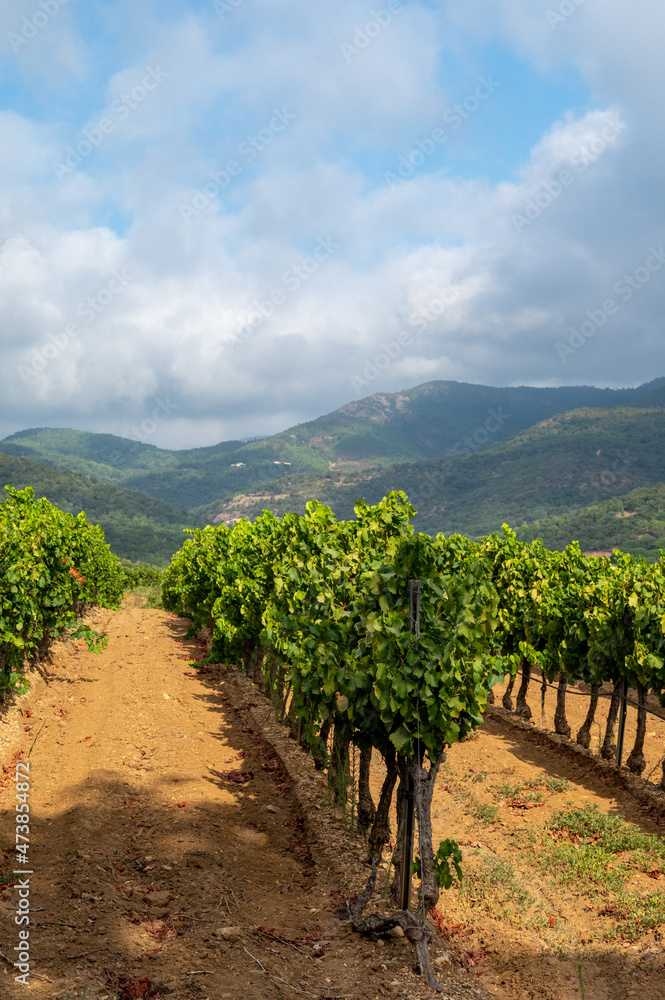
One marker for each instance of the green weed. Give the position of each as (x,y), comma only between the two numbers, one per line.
(612,833)
(636,914)
(480,811)
(555,785)
(526,790)
(486,814)
(526,837)
(588,867)
(495,886)
(520,792)
(579,976)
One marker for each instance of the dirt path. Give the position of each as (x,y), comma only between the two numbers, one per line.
(153,865)
(142,853)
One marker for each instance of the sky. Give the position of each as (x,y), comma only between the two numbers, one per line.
(220,218)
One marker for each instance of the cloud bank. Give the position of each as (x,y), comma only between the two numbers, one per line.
(245,213)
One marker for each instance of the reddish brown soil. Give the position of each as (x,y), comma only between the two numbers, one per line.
(531,947)
(159,818)
(125,802)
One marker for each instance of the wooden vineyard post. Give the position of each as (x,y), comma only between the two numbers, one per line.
(622,722)
(408,804)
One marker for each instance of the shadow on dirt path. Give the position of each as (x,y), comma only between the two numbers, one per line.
(162,834)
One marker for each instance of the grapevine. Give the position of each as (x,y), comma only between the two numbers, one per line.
(52,567)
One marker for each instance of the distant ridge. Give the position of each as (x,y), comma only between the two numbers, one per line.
(428,422)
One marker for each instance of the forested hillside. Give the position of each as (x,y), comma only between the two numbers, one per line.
(565,463)
(431,421)
(633,522)
(469,457)
(136,526)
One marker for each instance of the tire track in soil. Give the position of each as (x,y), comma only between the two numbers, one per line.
(142,850)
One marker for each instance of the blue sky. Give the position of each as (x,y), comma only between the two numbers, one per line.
(250,212)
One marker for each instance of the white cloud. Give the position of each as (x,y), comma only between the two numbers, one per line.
(194,284)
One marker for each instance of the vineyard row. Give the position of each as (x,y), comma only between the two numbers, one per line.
(317,610)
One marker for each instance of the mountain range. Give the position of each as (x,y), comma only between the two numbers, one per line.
(470,457)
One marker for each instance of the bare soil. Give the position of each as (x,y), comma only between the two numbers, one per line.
(167,855)
(512,920)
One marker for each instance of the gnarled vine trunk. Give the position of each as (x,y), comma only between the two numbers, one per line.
(608,749)
(379,923)
(543,692)
(521,707)
(380,832)
(560,721)
(320,749)
(293,722)
(338,768)
(637,761)
(507,701)
(366,807)
(423,783)
(403,771)
(584,733)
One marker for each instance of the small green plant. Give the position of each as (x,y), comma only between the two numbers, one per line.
(526,837)
(495,886)
(588,867)
(486,814)
(636,915)
(481,776)
(95,641)
(579,976)
(527,791)
(448,854)
(506,791)
(613,833)
(555,785)
(447,771)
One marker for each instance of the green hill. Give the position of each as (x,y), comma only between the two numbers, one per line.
(429,422)
(137,526)
(567,462)
(633,522)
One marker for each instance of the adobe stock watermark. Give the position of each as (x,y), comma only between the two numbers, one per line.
(552,189)
(87,311)
(454,118)
(22,848)
(600,488)
(93,136)
(31,26)
(625,288)
(480,438)
(161,412)
(435,307)
(565,10)
(292,279)
(224,7)
(432,480)
(364,34)
(247,150)
(375,367)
